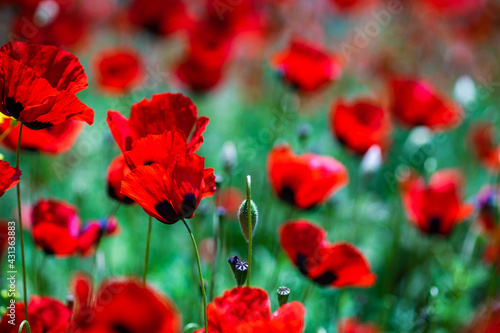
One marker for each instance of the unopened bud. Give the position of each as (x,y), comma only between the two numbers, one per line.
(283,294)
(240,274)
(243,217)
(232,262)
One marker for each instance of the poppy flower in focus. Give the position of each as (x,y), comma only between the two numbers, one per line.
(165,181)
(160,17)
(417,103)
(353,325)
(117,170)
(360,124)
(229,199)
(55,139)
(247,309)
(40,83)
(306,67)
(117,70)
(164,112)
(306,180)
(9,177)
(56,229)
(419,201)
(122,306)
(336,265)
(45,314)
(481,139)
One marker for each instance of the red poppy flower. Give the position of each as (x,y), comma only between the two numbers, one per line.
(304,180)
(40,83)
(9,177)
(353,325)
(337,265)
(229,199)
(208,52)
(360,124)
(117,171)
(166,182)
(45,315)
(482,141)
(123,306)
(246,309)
(164,112)
(55,139)
(160,17)
(419,201)
(62,23)
(56,229)
(118,70)
(306,66)
(417,103)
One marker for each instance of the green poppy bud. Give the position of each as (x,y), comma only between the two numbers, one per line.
(243,217)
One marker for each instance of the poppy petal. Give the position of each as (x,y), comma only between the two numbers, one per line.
(9,177)
(120,130)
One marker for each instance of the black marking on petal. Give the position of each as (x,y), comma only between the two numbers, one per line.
(326,278)
(302,264)
(148,162)
(165,210)
(37,125)
(120,328)
(287,195)
(13,108)
(434,225)
(188,205)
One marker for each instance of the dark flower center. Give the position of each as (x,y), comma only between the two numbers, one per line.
(434,225)
(13,108)
(287,195)
(302,263)
(165,210)
(120,328)
(326,278)
(188,205)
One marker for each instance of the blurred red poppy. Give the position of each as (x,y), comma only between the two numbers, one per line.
(306,67)
(56,229)
(487,209)
(455,7)
(229,199)
(117,171)
(419,201)
(9,177)
(118,70)
(481,139)
(416,102)
(246,309)
(123,306)
(166,182)
(353,325)
(55,139)
(360,124)
(304,180)
(163,112)
(351,6)
(160,17)
(336,265)
(487,319)
(40,83)
(46,315)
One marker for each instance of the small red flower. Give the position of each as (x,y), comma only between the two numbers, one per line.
(39,85)
(160,17)
(229,199)
(166,182)
(417,103)
(117,171)
(56,229)
(419,202)
(164,112)
(482,141)
(246,309)
(304,180)
(118,70)
(9,177)
(360,124)
(353,325)
(122,306)
(336,265)
(45,315)
(306,66)
(55,139)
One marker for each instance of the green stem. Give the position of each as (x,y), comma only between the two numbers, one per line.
(93,269)
(25,323)
(146,257)
(199,272)
(18,157)
(250,228)
(307,291)
(217,242)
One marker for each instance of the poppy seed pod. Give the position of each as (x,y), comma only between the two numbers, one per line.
(243,218)
(283,294)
